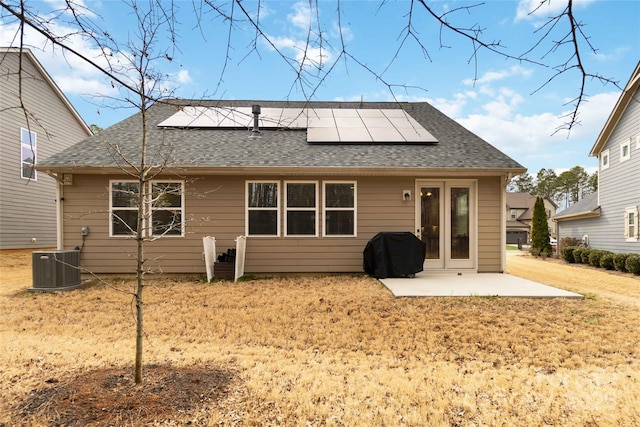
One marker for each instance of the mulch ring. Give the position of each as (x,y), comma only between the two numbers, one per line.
(110,396)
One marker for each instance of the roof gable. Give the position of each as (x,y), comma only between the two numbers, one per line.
(47,78)
(621,105)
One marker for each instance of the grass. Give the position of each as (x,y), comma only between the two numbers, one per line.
(332,350)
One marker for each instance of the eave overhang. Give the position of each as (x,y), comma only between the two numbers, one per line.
(290,170)
(580,215)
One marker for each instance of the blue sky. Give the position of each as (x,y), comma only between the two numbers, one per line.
(494,97)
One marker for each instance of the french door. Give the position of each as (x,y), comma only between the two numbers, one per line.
(446,222)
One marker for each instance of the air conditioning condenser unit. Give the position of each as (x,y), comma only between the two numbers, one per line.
(55,270)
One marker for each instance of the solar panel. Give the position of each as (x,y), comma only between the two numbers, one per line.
(324,125)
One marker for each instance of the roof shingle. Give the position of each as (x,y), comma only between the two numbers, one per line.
(457,148)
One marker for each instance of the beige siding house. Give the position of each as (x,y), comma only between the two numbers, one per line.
(50,124)
(308,187)
(520,216)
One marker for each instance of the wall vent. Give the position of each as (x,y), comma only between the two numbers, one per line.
(55,270)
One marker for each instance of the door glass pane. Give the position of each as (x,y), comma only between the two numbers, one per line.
(460,223)
(430,206)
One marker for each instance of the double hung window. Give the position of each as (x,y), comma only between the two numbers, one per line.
(604,160)
(631,224)
(339,208)
(163,210)
(263,215)
(28,149)
(301,218)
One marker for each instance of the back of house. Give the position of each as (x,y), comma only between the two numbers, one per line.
(307,183)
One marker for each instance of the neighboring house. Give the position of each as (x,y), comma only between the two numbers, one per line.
(609,218)
(520,215)
(309,187)
(48,125)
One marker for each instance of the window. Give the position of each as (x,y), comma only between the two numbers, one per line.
(28,151)
(604,159)
(301,211)
(513,214)
(124,208)
(339,208)
(625,150)
(262,217)
(166,208)
(631,224)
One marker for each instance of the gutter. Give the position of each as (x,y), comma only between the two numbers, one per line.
(580,215)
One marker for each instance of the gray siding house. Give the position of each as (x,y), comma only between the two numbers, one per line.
(609,218)
(28,206)
(308,187)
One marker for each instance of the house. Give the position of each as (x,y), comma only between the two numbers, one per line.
(520,215)
(307,183)
(28,208)
(608,219)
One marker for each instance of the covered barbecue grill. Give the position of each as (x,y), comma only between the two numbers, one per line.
(394,254)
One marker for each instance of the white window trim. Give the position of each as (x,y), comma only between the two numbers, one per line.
(625,144)
(247,208)
(603,155)
(34,149)
(627,236)
(287,209)
(148,215)
(354,209)
(638,142)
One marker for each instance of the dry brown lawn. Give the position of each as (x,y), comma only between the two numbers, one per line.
(332,350)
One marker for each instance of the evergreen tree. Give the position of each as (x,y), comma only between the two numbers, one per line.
(540,244)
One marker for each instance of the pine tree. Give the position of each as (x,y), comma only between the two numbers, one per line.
(540,244)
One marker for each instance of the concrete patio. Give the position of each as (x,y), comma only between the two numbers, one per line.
(464,284)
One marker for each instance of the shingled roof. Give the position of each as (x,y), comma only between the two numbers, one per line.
(233,149)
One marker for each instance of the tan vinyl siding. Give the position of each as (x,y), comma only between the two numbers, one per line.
(215,206)
(490,227)
(28,208)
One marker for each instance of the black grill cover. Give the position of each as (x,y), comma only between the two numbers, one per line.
(394,255)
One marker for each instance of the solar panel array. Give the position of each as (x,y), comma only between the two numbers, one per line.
(323,125)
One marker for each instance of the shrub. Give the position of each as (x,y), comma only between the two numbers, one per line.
(567,253)
(606,261)
(619,261)
(632,264)
(594,257)
(577,254)
(585,255)
(569,241)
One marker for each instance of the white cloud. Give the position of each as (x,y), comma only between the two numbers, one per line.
(183,76)
(305,54)
(531,139)
(537,10)
(302,16)
(494,76)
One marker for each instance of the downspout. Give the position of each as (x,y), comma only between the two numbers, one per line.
(59,214)
(59,210)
